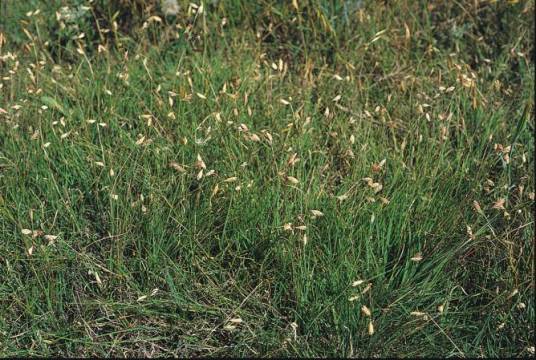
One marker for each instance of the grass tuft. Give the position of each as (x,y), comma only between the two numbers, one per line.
(306,178)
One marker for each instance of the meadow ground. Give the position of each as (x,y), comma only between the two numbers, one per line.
(301,178)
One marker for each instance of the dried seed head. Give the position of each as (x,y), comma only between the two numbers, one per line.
(499,204)
(140,140)
(293,159)
(200,164)
(470,233)
(97,278)
(37,233)
(50,238)
(215,190)
(293,180)
(417,257)
(370,328)
(368,180)
(476,206)
(177,167)
(357,283)
(417,313)
(367,288)
(378,167)
(269,137)
(294,327)
(284,102)
(377,187)
(317,213)
(366,311)
(513,293)
(384,200)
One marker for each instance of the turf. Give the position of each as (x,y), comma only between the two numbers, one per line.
(310,178)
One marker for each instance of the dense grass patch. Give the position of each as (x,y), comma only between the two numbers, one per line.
(311,178)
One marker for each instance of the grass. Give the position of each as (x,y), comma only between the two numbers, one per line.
(244,190)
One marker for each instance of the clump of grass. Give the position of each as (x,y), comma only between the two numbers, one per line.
(325,179)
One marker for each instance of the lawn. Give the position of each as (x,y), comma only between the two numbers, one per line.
(304,178)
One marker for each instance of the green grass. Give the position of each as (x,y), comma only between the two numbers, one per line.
(150,260)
